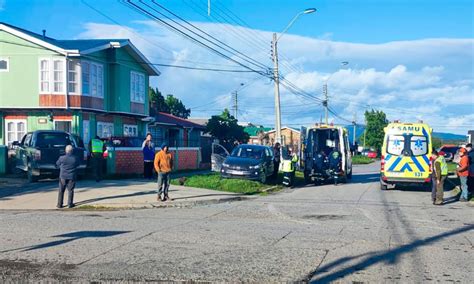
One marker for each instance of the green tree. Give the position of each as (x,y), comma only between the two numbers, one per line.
(225,128)
(170,104)
(437,143)
(374,131)
(157,102)
(176,107)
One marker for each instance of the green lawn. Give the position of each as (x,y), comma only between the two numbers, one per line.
(452,167)
(215,182)
(360,160)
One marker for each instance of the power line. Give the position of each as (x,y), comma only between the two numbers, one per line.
(146,39)
(139,9)
(240,54)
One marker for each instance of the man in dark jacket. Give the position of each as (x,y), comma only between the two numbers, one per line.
(470,178)
(67,165)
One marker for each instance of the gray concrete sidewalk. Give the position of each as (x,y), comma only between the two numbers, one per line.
(111,194)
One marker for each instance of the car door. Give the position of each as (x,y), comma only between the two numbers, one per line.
(218,155)
(268,162)
(21,152)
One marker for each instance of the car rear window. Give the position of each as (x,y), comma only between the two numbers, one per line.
(419,145)
(53,140)
(395,144)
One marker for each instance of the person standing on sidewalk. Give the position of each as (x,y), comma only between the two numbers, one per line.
(67,165)
(440,172)
(470,178)
(97,154)
(463,173)
(163,165)
(148,156)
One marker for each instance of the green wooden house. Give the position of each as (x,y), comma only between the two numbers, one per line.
(87,87)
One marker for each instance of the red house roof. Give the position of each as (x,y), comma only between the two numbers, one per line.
(166,118)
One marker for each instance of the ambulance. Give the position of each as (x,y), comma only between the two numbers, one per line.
(406,154)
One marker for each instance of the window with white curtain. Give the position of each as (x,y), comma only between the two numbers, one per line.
(58,76)
(130,130)
(73,76)
(44,75)
(15,130)
(105,129)
(137,87)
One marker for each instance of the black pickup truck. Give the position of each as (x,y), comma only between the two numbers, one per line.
(38,152)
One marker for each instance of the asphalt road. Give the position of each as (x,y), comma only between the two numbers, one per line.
(348,233)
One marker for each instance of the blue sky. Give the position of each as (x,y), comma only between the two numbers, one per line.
(411,58)
(366,21)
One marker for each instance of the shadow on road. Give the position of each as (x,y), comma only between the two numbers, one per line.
(69,238)
(370,259)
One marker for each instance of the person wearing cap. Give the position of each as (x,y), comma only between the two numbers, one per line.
(463,172)
(163,165)
(440,172)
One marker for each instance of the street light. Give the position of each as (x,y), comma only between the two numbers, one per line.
(276,78)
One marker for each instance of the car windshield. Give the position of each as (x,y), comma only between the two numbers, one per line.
(248,152)
(53,140)
(395,144)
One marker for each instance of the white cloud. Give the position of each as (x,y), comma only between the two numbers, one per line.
(428,79)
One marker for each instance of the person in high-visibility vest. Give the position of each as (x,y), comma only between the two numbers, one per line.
(289,168)
(97,154)
(439,174)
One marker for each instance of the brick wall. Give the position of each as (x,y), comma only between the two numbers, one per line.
(130,160)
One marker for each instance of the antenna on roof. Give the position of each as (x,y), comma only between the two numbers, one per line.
(44,33)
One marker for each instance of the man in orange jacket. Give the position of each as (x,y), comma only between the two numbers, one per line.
(163,165)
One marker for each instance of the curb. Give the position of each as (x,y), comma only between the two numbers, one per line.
(185,204)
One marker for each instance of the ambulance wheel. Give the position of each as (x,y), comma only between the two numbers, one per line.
(383,186)
(307,178)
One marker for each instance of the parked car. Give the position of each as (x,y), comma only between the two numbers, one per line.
(253,162)
(38,151)
(369,153)
(449,152)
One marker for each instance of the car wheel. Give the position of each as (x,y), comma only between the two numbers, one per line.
(263,177)
(31,177)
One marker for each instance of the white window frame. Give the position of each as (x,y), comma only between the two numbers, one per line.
(7,59)
(137,90)
(128,127)
(16,121)
(102,125)
(78,74)
(95,81)
(51,75)
(62,119)
(48,79)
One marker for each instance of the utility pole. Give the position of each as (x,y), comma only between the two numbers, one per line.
(276,79)
(325,102)
(235,106)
